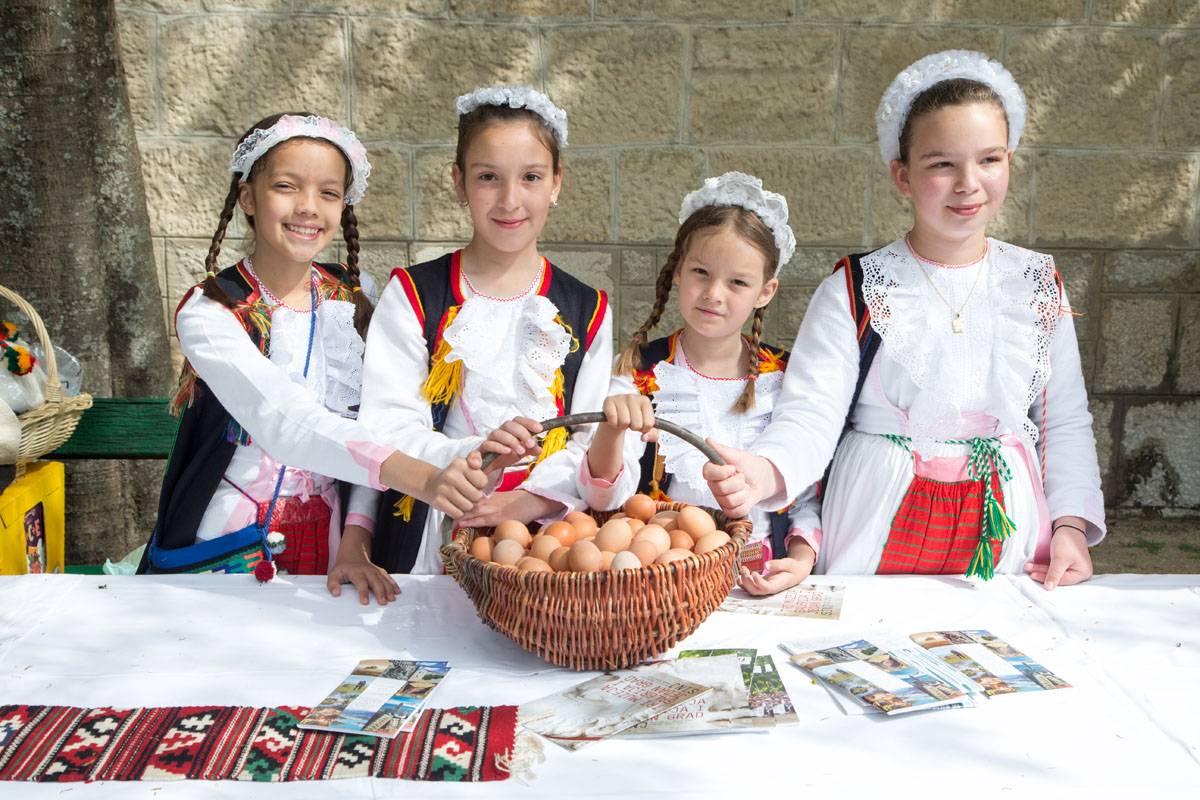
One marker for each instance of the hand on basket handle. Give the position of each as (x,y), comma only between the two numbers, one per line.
(509,443)
(742,482)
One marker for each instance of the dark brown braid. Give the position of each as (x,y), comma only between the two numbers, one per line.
(212,289)
(362,306)
(631,357)
(746,401)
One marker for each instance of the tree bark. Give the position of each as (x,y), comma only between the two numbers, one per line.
(76,238)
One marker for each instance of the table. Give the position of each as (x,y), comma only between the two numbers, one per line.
(1130,645)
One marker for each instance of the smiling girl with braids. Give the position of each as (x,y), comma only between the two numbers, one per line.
(274,349)
(708,377)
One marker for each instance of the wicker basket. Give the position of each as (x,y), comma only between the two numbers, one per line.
(599,620)
(47,426)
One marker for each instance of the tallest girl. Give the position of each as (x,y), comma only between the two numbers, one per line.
(950,360)
(462,344)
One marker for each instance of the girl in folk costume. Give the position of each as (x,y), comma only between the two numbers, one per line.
(274,348)
(486,334)
(952,360)
(708,377)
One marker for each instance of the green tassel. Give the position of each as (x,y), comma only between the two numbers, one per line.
(982,564)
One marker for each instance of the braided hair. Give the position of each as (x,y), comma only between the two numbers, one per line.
(750,227)
(211,286)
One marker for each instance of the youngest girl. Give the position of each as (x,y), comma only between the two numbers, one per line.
(708,377)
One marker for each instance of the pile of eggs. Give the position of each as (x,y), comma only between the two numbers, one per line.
(636,537)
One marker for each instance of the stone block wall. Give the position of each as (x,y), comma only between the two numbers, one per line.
(662,93)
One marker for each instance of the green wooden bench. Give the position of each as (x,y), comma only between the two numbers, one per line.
(120,427)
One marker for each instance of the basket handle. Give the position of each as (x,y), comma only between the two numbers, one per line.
(53,390)
(597,416)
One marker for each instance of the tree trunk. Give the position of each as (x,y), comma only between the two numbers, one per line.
(76,238)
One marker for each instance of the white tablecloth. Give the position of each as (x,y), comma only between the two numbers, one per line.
(1130,645)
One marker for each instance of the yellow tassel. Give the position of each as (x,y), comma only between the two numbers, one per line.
(769,362)
(555,440)
(445,378)
(558,385)
(404,508)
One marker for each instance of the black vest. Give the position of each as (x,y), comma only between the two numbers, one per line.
(203,448)
(396,542)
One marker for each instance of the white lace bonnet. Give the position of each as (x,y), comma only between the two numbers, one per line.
(740,189)
(290,126)
(932,69)
(517,97)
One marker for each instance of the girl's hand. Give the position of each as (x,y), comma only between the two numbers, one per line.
(512,441)
(458,487)
(518,504)
(1070,559)
(779,573)
(353,565)
(632,412)
(742,482)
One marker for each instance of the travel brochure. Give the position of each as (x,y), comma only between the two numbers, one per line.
(380,697)
(806,600)
(702,691)
(948,669)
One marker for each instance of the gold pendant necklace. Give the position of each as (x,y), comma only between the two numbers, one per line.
(957,325)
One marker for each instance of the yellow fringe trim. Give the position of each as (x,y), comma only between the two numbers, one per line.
(555,440)
(404,508)
(445,379)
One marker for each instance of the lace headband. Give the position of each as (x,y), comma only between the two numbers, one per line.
(517,97)
(932,69)
(740,189)
(287,127)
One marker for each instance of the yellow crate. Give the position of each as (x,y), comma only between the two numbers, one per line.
(32,520)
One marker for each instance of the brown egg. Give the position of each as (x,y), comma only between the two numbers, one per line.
(584,557)
(626,559)
(585,527)
(481,548)
(512,529)
(646,551)
(606,560)
(656,535)
(666,519)
(710,541)
(531,564)
(679,540)
(640,506)
(563,531)
(673,555)
(507,552)
(542,546)
(558,559)
(635,525)
(695,522)
(614,536)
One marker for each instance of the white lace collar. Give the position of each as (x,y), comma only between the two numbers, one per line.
(511,348)
(705,406)
(1016,308)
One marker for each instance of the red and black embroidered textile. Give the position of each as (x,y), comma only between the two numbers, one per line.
(305,527)
(936,529)
(62,744)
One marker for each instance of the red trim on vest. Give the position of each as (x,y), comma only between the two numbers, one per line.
(456,277)
(544,288)
(597,318)
(255,292)
(410,291)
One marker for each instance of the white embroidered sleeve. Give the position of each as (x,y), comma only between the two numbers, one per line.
(556,478)
(395,367)
(1072,469)
(817,388)
(283,417)
(804,520)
